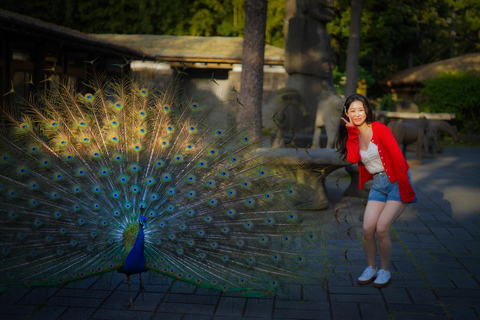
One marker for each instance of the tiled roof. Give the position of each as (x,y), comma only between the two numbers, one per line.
(189,48)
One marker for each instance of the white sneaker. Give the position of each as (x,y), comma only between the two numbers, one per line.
(383,279)
(368,275)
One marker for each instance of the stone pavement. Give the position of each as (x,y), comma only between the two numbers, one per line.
(435,266)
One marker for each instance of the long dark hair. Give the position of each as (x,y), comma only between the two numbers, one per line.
(342,135)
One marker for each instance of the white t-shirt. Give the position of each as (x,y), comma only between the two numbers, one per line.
(371,159)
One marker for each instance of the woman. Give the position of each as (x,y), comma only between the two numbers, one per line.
(373,147)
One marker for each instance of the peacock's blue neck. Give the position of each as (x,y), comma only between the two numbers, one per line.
(135,260)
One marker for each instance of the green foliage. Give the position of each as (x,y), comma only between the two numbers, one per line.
(407,33)
(173,17)
(454,93)
(339,79)
(386,102)
(394,37)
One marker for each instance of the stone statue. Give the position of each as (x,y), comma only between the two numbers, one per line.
(273,117)
(431,146)
(406,133)
(309,58)
(405,106)
(329,111)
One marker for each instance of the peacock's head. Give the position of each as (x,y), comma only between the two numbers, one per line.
(143,221)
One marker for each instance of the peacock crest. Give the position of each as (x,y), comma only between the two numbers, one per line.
(136,178)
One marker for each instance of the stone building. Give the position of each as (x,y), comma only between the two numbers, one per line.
(33,51)
(407,83)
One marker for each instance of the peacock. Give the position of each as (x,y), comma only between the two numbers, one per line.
(129,177)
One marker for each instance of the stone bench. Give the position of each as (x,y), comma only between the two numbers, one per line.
(308,168)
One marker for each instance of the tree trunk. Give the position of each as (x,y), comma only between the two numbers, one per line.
(453,33)
(252,66)
(353,50)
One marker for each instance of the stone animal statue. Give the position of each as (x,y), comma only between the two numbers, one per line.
(406,133)
(274,112)
(431,146)
(329,111)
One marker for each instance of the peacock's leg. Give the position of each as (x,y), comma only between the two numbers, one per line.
(130,291)
(141,288)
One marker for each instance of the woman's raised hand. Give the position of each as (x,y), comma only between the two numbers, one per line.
(348,123)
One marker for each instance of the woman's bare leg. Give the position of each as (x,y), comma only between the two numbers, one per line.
(372,214)
(389,214)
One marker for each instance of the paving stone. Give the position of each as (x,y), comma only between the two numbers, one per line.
(12,295)
(74,313)
(187,308)
(415,308)
(461,233)
(427,238)
(167,316)
(426,247)
(293,292)
(367,290)
(259,308)
(373,311)
(20,311)
(417,316)
(440,231)
(463,301)
(342,310)
(105,314)
(409,238)
(118,300)
(37,296)
(83,283)
(443,267)
(399,283)
(462,313)
(422,296)
(467,257)
(149,302)
(465,282)
(192,298)
(106,283)
(405,267)
(407,276)
(231,306)
(301,305)
(300,314)
(182,287)
(74,302)
(47,312)
(314,293)
(473,268)
(209,292)
(196,317)
(422,256)
(473,247)
(395,295)
(355,298)
(158,288)
(439,280)
(340,279)
(82,293)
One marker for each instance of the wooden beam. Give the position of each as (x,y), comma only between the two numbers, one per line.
(410,115)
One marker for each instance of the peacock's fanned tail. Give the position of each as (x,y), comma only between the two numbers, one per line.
(77,169)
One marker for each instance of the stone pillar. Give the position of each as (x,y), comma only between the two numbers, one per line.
(309,58)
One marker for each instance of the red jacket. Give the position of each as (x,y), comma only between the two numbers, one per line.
(395,165)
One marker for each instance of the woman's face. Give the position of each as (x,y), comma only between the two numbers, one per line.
(356,112)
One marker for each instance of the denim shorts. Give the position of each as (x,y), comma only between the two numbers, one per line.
(383,190)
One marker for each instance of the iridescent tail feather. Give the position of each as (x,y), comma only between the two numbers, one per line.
(76,170)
